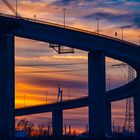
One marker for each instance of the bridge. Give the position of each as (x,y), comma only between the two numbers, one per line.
(98,100)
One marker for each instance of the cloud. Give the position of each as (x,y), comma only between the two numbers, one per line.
(61,2)
(108,16)
(137,21)
(43,82)
(130,19)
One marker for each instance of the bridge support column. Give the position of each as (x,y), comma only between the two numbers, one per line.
(137,110)
(57,123)
(96,89)
(108,118)
(7,103)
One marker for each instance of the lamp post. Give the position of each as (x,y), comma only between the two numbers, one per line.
(68,93)
(109,83)
(97,19)
(16,8)
(64,14)
(122,32)
(24,100)
(139,39)
(46,96)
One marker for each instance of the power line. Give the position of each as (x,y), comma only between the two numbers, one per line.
(129,107)
(12,8)
(54,71)
(54,64)
(44,65)
(57,71)
(118,27)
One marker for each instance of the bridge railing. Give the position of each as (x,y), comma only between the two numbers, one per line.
(68,27)
(82,30)
(64,101)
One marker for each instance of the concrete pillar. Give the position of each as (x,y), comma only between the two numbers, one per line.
(108,118)
(7,103)
(137,109)
(96,90)
(57,123)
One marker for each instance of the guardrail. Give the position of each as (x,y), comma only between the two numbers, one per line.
(64,101)
(68,27)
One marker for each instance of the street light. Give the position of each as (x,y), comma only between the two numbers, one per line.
(139,39)
(46,96)
(69,93)
(97,19)
(109,83)
(16,8)
(24,100)
(64,14)
(122,32)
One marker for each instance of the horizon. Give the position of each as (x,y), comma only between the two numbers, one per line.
(38,67)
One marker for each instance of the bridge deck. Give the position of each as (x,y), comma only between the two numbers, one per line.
(73,37)
(113,95)
(79,39)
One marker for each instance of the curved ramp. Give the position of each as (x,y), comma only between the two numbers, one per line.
(114,95)
(79,39)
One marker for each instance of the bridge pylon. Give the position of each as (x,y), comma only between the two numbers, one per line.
(57,123)
(96,90)
(7,100)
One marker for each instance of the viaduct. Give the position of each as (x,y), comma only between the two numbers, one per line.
(98,100)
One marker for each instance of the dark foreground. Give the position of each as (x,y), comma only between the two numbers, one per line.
(74,138)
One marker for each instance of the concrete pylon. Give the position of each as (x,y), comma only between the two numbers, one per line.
(96,90)
(7,89)
(137,109)
(57,123)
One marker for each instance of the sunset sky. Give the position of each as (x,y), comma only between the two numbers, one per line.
(38,67)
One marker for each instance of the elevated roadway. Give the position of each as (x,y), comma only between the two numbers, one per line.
(71,37)
(98,46)
(123,92)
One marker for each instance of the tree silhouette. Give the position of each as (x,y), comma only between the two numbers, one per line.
(25,125)
(32,130)
(44,128)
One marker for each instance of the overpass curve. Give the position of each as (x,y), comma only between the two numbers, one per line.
(79,39)
(120,93)
(72,37)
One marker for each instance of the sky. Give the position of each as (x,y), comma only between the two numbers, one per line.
(39,68)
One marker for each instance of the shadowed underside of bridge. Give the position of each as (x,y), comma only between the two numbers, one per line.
(98,47)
